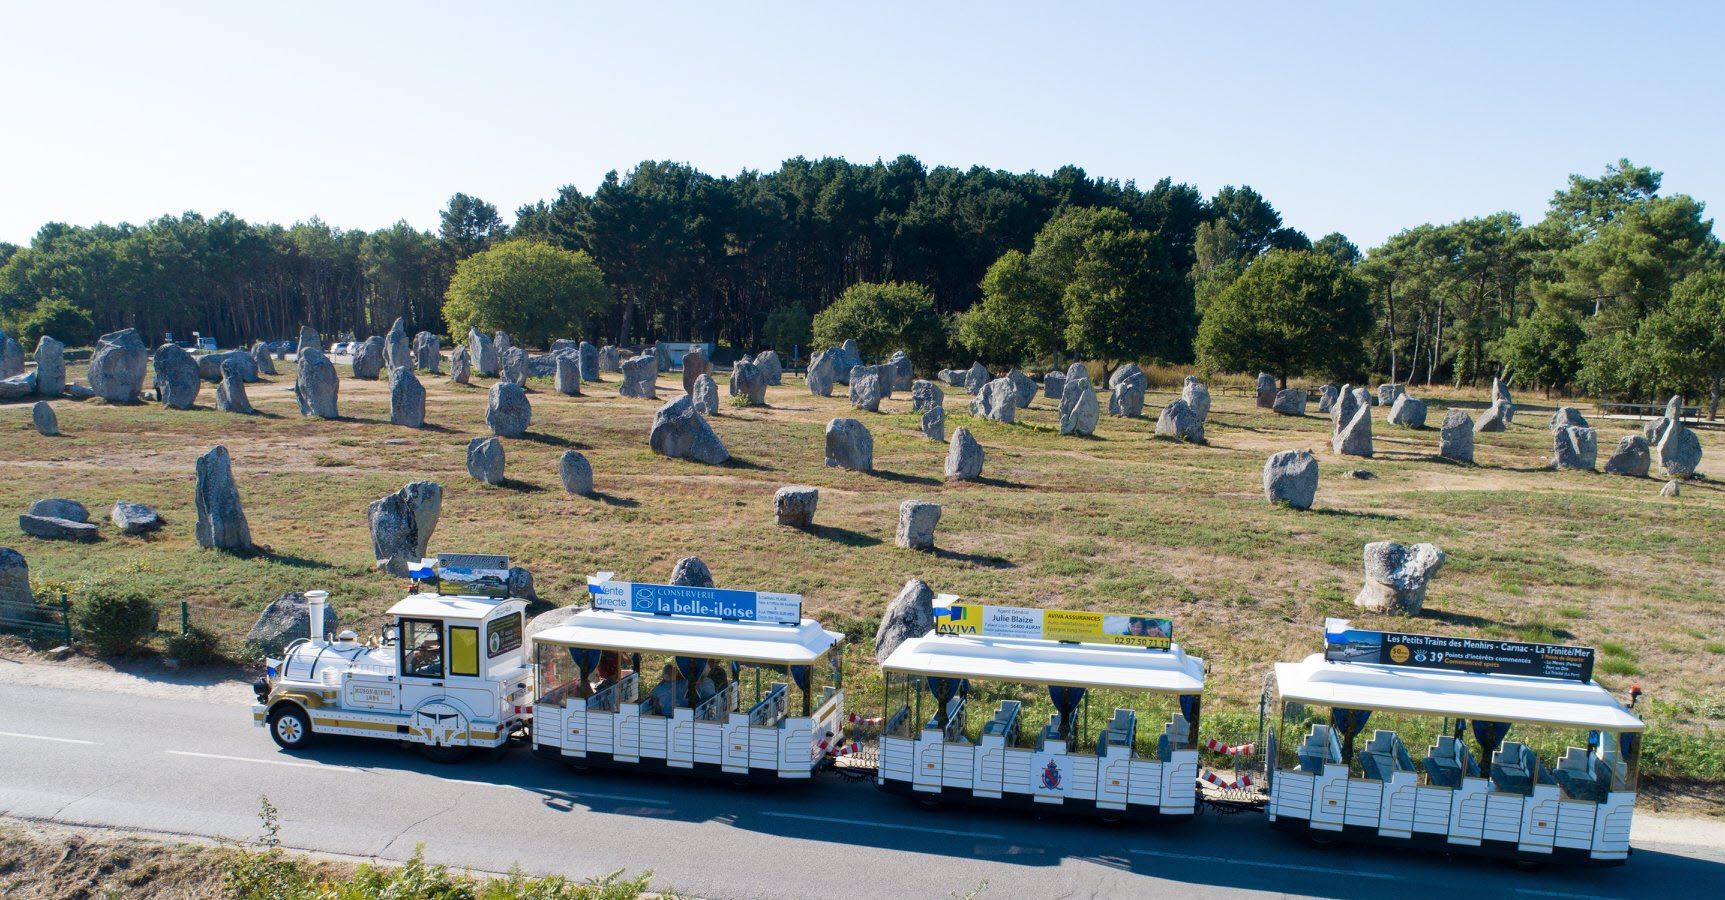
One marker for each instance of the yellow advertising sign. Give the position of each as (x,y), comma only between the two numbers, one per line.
(1055,625)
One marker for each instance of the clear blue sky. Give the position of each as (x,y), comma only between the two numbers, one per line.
(1360,117)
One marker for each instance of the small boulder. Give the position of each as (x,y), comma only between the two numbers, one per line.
(934,423)
(997,401)
(461,365)
(882,373)
(231,393)
(50,367)
(576,473)
(485,459)
(926,395)
(695,364)
(1574,447)
(1266,390)
(794,505)
(850,445)
(691,571)
(909,615)
(60,508)
(507,411)
(963,457)
(53,529)
(1080,410)
(402,523)
(428,353)
(117,367)
(1679,449)
(1179,422)
(1054,385)
(749,383)
(681,432)
(406,398)
(135,518)
(221,520)
(1291,477)
(316,386)
(1128,372)
(1197,395)
(1397,576)
(610,359)
(821,376)
(900,371)
(1671,488)
(1494,419)
(916,522)
(1632,457)
(866,391)
(18,387)
(43,417)
(1407,411)
(285,620)
(1289,402)
(177,382)
(1126,400)
(640,376)
(14,579)
(1455,441)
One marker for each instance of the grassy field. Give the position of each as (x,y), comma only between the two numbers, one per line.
(1116,522)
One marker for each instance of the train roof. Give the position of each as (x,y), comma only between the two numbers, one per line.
(601,629)
(1503,698)
(439,606)
(1028,661)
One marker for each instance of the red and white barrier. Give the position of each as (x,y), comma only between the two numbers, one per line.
(1229,749)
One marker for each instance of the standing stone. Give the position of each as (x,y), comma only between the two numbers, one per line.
(695,364)
(1343,409)
(691,571)
(1397,576)
(925,395)
(19,387)
(460,365)
(916,521)
(513,366)
(231,392)
(1197,395)
(135,518)
(909,615)
(367,359)
(406,398)
(1407,411)
(589,356)
(286,619)
(50,367)
(1080,410)
(482,354)
(1291,477)
(934,423)
(177,381)
(501,340)
(976,378)
(1180,422)
(794,505)
(850,445)
(750,383)
(1127,399)
(963,457)
(1455,441)
(706,395)
(210,365)
(1679,447)
(1289,402)
(1054,385)
(428,353)
(568,377)
(1354,436)
(821,376)
(844,359)
(662,357)
(316,385)
(681,432)
(396,350)
(1389,391)
(882,374)
(221,521)
(402,522)
(954,377)
(42,416)
(902,372)
(1326,398)
(1671,488)
(1128,372)
(485,460)
(1024,386)
(11,357)
(308,340)
(576,473)
(507,411)
(117,368)
(1496,418)
(1632,457)
(771,369)
(14,580)
(610,359)
(997,401)
(865,391)
(262,361)
(639,378)
(1500,396)
(1574,447)
(1266,390)
(1567,417)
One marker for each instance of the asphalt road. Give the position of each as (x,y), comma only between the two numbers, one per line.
(191,766)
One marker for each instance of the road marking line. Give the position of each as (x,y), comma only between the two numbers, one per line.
(267,762)
(567,795)
(1325,870)
(43,737)
(862,824)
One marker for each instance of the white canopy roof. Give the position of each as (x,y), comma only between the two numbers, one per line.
(1027,661)
(601,629)
(438,606)
(1502,698)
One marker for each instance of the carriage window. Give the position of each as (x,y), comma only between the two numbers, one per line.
(502,636)
(422,648)
(464,651)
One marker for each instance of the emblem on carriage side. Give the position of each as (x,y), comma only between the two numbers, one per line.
(1051,776)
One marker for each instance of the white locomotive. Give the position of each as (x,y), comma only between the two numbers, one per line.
(449,674)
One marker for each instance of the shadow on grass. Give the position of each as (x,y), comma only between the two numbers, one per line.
(843,536)
(1003,483)
(1355,514)
(519,486)
(982,560)
(435,428)
(291,560)
(550,440)
(905,479)
(1455,618)
(737,462)
(614,500)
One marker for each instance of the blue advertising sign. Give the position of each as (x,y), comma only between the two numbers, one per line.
(1344,643)
(681,600)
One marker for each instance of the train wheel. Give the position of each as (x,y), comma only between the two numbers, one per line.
(291,728)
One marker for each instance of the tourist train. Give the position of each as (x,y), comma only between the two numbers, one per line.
(995,706)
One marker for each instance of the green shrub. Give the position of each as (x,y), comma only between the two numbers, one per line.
(197,647)
(115,622)
(57,318)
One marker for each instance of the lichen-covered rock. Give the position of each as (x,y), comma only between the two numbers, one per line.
(1126,400)
(1679,449)
(1080,410)
(1054,385)
(1397,576)
(610,359)
(406,398)
(691,571)
(866,392)
(428,353)
(231,393)
(997,401)
(1353,437)
(14,580)
(11,356)
(695,364)
(567,374)
(397,352)
(909,615)
(976,378)
(749,383)
(210,365)
(681,432)
(285,620)
(482,353)
(820,376)
(1500,397)
(60,508)
(1567,417)
(461,365)
(316,385)
(926,395)
(1024,386)
(485,460)
(1574,447)
(1632,457)
(1291,477)
(934,423)
(18,386)
(844,358)
(1288,402)
(1495,418)
(902,373)
(308,340)
(882,374)
(1128,372)
(771,368)
(589,356)
(117,368)
(954,377)
(1197,395)
(402,523)
(50,528)
(262,361)
(706,395)
(135,518)
(1179,422)
(1671,488)
(221,520)
(176,376)
(512,366)
(367,359)
(662,357)
(1389,391)
(1407,411)
(850,445)
(43,417)
(916,522)
(794,505)
(50,367)
(1455,441)
(640,378)
(1266,390)
(1326,398)
(963,457)
(507,410)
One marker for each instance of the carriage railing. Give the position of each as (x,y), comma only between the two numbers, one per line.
(626,691)
(955,716)
(718,706)
(771,709)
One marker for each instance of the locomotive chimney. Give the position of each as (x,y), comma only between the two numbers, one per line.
(315,601)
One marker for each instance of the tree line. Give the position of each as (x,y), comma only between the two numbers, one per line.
(1616,291)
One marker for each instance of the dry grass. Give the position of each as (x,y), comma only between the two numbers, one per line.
(1118,522)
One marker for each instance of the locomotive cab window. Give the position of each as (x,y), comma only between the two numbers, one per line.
(422,648)
(463,650)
